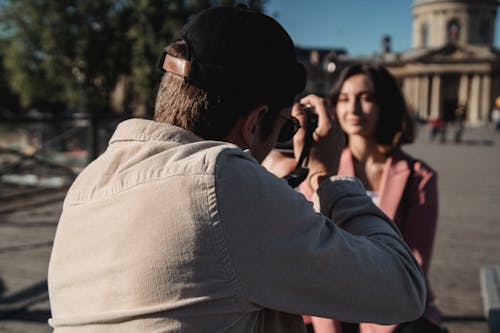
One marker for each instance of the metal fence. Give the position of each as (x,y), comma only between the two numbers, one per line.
(50,151)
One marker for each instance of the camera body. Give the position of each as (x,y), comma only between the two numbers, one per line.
(310,126)
(301,171)
(312,120)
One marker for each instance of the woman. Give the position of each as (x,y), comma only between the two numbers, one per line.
(371,111)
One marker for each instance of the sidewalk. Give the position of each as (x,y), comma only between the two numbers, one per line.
(468,237)
(25,242)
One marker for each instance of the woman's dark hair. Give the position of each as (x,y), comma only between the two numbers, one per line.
(395,125)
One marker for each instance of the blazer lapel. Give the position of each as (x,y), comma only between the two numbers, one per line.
(393,183)
(346,166)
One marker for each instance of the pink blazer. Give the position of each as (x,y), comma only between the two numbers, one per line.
(410,199)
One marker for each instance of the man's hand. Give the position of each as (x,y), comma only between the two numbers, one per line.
(328,141)
(279,163)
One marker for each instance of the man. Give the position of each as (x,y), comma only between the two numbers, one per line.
(177,228)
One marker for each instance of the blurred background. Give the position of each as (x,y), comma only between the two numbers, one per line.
(71,70)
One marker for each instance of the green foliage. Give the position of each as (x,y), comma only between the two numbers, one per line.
(63,52)
(70,54)
(153,24)
(8,99)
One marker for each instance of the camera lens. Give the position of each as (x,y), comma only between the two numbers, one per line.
(289,129)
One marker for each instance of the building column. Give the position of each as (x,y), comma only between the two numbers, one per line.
(410,92)
(463,89)
(436,96)
(407,90)
(416,93)
(485,99)
(423,110)
(474,101)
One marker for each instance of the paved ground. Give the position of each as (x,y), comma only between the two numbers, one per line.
(468,237)
(25,243)
(468,234)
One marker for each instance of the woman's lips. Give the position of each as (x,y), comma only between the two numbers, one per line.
(355,121)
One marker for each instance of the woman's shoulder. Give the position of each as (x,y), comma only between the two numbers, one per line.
(417,165)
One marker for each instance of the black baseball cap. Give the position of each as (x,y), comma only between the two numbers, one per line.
(233,51)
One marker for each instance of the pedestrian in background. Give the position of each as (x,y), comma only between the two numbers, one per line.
(495,114)
(437,125)
(459,123)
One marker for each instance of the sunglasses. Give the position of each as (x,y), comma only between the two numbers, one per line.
(289,129)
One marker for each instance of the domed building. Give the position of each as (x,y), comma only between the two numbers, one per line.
(452,60)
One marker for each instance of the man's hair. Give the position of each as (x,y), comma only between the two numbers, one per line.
(395,125)
(194,109)
(236,59)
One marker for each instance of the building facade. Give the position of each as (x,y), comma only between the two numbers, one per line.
(452,61)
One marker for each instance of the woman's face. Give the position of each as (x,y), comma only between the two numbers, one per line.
(356,110)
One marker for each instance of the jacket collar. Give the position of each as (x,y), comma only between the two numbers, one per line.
(146,130)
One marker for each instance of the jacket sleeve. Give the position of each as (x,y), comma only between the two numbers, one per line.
(289,258)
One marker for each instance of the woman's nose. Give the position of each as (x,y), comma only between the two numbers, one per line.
(355,106)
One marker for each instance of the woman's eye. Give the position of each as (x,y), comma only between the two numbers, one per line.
(367,98)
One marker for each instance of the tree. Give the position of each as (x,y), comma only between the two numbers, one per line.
(72,54)
(63,52)
(153,24)
(9,101)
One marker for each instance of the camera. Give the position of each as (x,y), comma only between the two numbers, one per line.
(310,126)
(301,171)
(311,122)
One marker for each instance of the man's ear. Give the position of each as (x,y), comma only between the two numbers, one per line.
(245,129)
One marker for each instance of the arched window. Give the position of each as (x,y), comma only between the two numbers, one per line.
(453,31)
(424,35)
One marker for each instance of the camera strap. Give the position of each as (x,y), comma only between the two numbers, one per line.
(301,171)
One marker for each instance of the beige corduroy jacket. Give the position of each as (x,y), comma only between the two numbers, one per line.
(166,232)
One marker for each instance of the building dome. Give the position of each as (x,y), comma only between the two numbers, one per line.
(440,22)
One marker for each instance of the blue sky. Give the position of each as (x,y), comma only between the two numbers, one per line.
(356,25)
